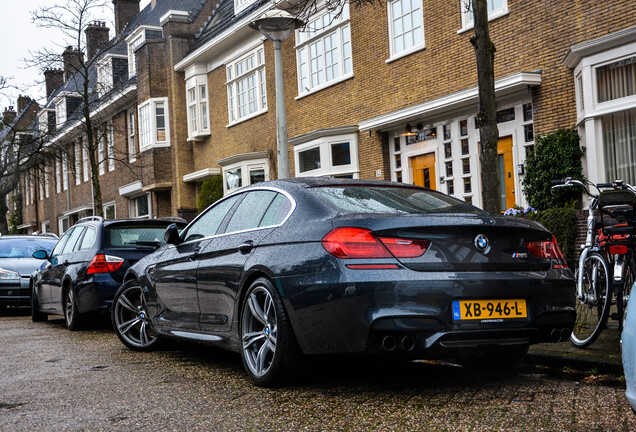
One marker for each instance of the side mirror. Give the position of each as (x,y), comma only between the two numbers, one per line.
(172,235)
(41,254)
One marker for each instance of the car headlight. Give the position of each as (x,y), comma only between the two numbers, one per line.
(8,274)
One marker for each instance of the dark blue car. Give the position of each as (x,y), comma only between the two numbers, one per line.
(86,267)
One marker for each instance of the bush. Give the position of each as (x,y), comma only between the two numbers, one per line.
(211,192)
(561,222)
(555,156)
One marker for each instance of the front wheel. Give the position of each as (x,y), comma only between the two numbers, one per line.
(269,349)
(593,310)
(129,316)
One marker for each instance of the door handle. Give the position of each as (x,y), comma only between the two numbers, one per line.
(246,247)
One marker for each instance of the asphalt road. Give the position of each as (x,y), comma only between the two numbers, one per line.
(55,380)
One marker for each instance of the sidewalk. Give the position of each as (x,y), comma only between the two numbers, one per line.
(603,355)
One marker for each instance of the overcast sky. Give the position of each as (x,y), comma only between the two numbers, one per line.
(20,35)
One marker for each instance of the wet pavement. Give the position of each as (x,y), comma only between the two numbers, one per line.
(53,379)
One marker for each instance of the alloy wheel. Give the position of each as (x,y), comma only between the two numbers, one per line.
(259,331)
(131,318)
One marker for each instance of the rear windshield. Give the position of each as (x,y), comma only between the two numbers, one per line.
(24,248)
(134,236)
(387,199)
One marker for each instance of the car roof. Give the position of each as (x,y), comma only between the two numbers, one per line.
(27,237)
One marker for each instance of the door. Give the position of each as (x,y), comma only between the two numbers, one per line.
(424,170)
(506,173)
(222,265)
(59,269)
(46,273)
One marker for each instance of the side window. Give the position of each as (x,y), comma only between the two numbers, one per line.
(209,222)
(72,240)
(57,250)
(250,211)
(277,211)
(89,239)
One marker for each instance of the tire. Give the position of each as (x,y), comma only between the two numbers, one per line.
(129,316)
(503,358)
(36,315)
(74,320)
(271,356)
(593,311)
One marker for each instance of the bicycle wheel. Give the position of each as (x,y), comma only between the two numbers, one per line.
(593,310)
(629,276)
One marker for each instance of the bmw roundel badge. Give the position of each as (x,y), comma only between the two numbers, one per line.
(481,243)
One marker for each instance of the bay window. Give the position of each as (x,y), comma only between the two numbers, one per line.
(335,156)
(197,100)
(244,169)
(130,126)
(246,90)
(323,51)
(139,206)
(153,124)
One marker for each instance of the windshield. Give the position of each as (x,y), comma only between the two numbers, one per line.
(134,236)
(24,247)
(392,200)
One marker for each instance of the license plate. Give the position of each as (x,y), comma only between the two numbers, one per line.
(489,309)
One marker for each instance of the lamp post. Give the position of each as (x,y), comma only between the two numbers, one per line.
(277,26)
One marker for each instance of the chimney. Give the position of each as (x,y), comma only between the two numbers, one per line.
(96,38)
(54,79)
(71,58)
(125,11)
(8,117)
(23,101)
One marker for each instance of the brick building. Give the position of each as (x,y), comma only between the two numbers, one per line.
(375,92)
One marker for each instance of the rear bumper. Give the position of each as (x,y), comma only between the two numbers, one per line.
(357,314)
(15,292)
(96,293)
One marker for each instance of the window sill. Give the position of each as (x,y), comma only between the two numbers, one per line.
(152,146)
(491,17)
(244,119)
(405,53)
(326,85)
(198,136)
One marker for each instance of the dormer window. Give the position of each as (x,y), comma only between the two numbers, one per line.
(60,111)
(104,75)
(136,39)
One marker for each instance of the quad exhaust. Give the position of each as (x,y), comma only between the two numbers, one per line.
(389,343)
(404,343)
(560,335)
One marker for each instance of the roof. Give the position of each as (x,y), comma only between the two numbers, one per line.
(4,133)
(152,16)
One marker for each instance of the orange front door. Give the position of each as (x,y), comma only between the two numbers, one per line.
(424,170)
(506,173)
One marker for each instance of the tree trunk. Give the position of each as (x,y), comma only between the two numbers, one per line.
(487,115)
(4,225)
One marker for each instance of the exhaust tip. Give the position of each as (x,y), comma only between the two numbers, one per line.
(407,343)
(555,335)
(389,343)
(565,333)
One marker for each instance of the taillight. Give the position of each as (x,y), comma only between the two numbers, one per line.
(349,242)
(548,249)
(104,264)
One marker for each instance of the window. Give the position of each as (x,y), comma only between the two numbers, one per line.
(240,5)
(72,243)
(153,124)
(85,163)
(197,99)
(40,181)
(130,127)
(333,156)
(245,173)
(209,222)
(64,172)
(89,239)
(140,206)
(46,227)
(100,153)
(496,9)
(405,27)
(135,40)
(250,211)
(78,178)
(63,225)
(58,176)
(104,75)
(109,211)
(110,147)
(619,141)
(60,111)
(616,80)
(46,173)
(323,51)
(246,86)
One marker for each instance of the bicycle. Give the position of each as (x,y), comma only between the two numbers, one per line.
(606,264)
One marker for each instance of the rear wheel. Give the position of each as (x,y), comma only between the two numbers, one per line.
(269,350)
(130,319)
(36,315)
(593,310)
(71,313)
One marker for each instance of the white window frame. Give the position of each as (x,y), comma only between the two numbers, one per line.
(198,108)
(45,227)
(26,188)
(78,173)
(110,204)
(85,163)
(237,74)
(46,182)
(58,174)
(394,55)
(130,128)
(64,172)
(101,163)
(316,33)
(60,224)
(60,111)
(326,163)
(104,75)
(241,5)
(467,19)
(40,181)
(246,167)
(133,208)
(110,147)
(147,124)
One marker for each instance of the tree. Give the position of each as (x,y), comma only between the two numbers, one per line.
(72,18)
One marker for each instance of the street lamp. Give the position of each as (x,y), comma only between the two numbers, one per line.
(277,26)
